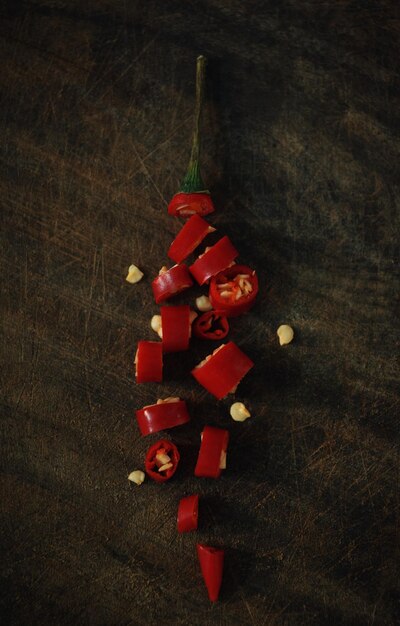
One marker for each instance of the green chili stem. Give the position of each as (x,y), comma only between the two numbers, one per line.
(193,181)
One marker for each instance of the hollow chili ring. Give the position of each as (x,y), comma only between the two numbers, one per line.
(150,463)
(236,301)
(211,325)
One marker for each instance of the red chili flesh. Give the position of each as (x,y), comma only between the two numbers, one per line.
(211,325)
(188,513)
(162,416)
(223,370)
(149,362)
(212,565)
(171,282)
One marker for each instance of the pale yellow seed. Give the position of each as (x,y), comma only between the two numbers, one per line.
(165,467)
(137,477)
(167,400)
(203,303)
(155,323)
(134,275)
(163,458)
(206,250)
(225,294)
(222,460)
(238,412)
(285,334)
(163,270)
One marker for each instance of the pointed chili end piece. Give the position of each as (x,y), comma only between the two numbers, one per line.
(212,565)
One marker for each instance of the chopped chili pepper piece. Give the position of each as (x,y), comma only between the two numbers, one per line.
(215,260)
(149,362)
(171,282)
(211,325)
(189,204)
(161,416)
(175,324)
(212,453)
(211,565)
(188,238)
(222,371)
(193,197)
(233,291)
(188,513)
(152,464)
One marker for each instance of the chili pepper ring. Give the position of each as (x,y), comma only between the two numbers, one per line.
(154,466)
(162,416)
(221,372)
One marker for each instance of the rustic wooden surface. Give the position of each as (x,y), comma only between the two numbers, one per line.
(301,151)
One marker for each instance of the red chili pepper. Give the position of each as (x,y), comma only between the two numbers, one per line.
(161,416)
(175,324)
(212,453)
(193,197)
(234,290)
(223,370)
(171,282)
(215,260)
(211,325)
(212,566)
(149,362)
(188,513)
(153,464)
(188,204)
(188,238)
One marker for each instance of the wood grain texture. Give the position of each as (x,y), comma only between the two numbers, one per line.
(301,150)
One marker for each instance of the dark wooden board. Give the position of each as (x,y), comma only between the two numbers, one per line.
(301,150)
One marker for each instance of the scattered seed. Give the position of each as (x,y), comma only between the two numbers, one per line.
(136,477)
(238,412)
(203,303)
(285,334)
(134,275)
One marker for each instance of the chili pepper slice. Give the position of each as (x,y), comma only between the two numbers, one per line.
(212,566)
(212,453)
(188,238)
(171,282)
(149,362)
(175,324)
(188,513)
(233,291)
(156,454)
(193,197)
(211,325)
(161,416)
(189,204)
(222,371)
(215,260)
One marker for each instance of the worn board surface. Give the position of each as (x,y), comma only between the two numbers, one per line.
(301,149)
